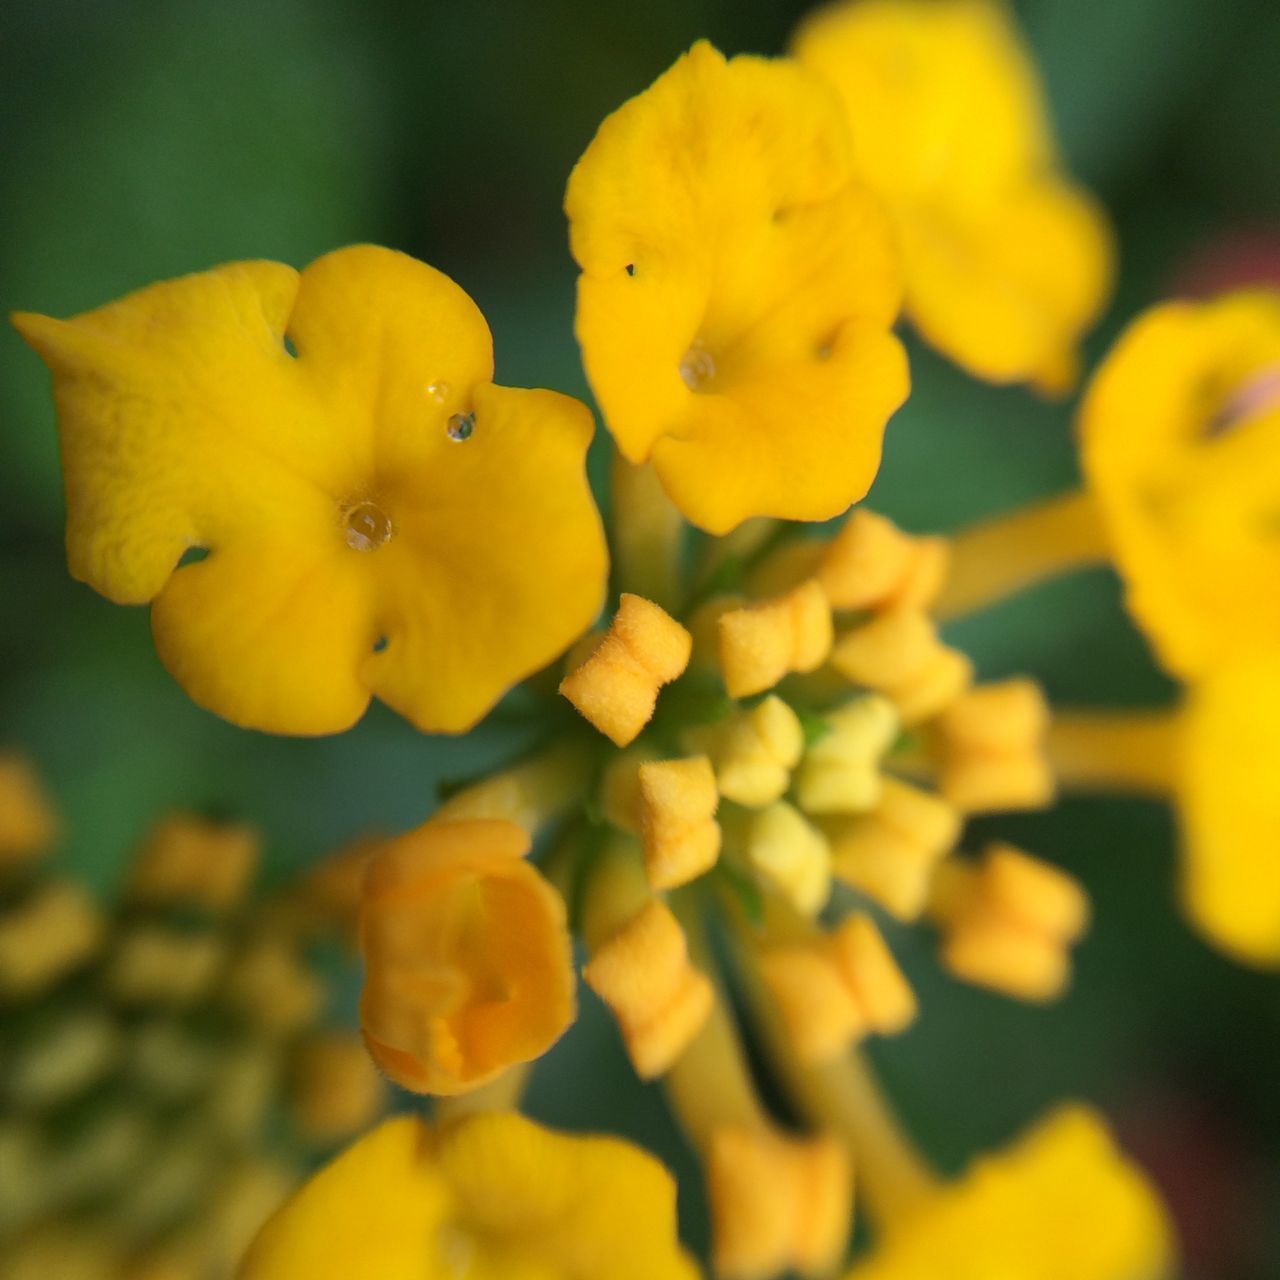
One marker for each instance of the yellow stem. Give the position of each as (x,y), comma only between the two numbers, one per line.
(1000,557)
(501,1094)
(647,533)
(841,1096)
(530,794)
(1115,750)
(710,1086)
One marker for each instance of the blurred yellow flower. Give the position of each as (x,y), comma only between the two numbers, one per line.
(1229,804)
(1061,1204)
(466,951)
(1180,434)
(379,517)
(492,1197)
(1005,261)
(737,292)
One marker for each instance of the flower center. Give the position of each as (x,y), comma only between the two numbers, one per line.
(366,527)
(697,366)
(1256,395)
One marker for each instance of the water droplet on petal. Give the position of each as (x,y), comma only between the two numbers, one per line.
(438,391)
(697,366)
(461,425)
(366,527)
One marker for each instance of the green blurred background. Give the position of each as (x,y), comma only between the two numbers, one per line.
(149,139)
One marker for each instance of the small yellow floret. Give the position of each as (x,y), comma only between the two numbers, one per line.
(891,854)
(659,999)
(761,643)
(616,687)
(753,751)
(489,1195)
(335,1091)
(1009,923)
(272,988)
(898,653)
(872,564)
(50,934)
(153,964)
(838,989)
(190,859)
(27,824)
(777,1203)
(678,831)
(791,854)
(992,748)
(840,773)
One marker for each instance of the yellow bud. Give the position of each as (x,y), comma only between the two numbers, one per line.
(56,929)
(761,643)
(837,989)
(840,773)
(991,741)
(704,627)
(678,831)
(642,972)
(1009,922)
(791,854)
(777,1203)
(27,824)
(616,687)
(871,564)
(186,858)
(890,854)
(270,986)
(336,1091)
(157,964)
(328,895)
(620,789)
(466,950)
(898,653)
(753,751)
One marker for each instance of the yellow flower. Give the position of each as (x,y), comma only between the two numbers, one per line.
(736,293)
(379,517)
(1061,1204)
(492,1197)
(1181,447)
(1230,808)
(466,951)
(1006,263)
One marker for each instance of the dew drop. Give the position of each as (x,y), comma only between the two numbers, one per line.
(366,527)
(461,425)
(697,366)
(438,391)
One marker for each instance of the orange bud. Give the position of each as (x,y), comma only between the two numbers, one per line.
(871,564)
(678,831)
(467,961)
(616,686)
(761,643)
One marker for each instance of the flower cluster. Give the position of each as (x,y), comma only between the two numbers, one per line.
(758,768)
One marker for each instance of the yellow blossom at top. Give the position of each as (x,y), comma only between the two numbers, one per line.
(379,516)
(1180,435)
(1229,806)
(1005,261)
(737,292)
(1060,1204)
(492,1197)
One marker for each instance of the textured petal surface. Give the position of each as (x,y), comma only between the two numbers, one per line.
(1187,473)
(1060,1204)
(1230,808)
(737,291)
(358,483)
(1005,262)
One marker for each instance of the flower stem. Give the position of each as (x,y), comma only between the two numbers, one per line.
(1115,750)
(500,1094)
(1000,557)
(647,533)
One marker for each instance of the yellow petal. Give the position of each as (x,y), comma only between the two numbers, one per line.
(1180,434)
(369,488)
(1005,262)
(1230,809)
(1062,1203)
(736,292)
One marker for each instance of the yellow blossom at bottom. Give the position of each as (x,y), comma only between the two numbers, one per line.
(493,1197)
(1062,1203)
